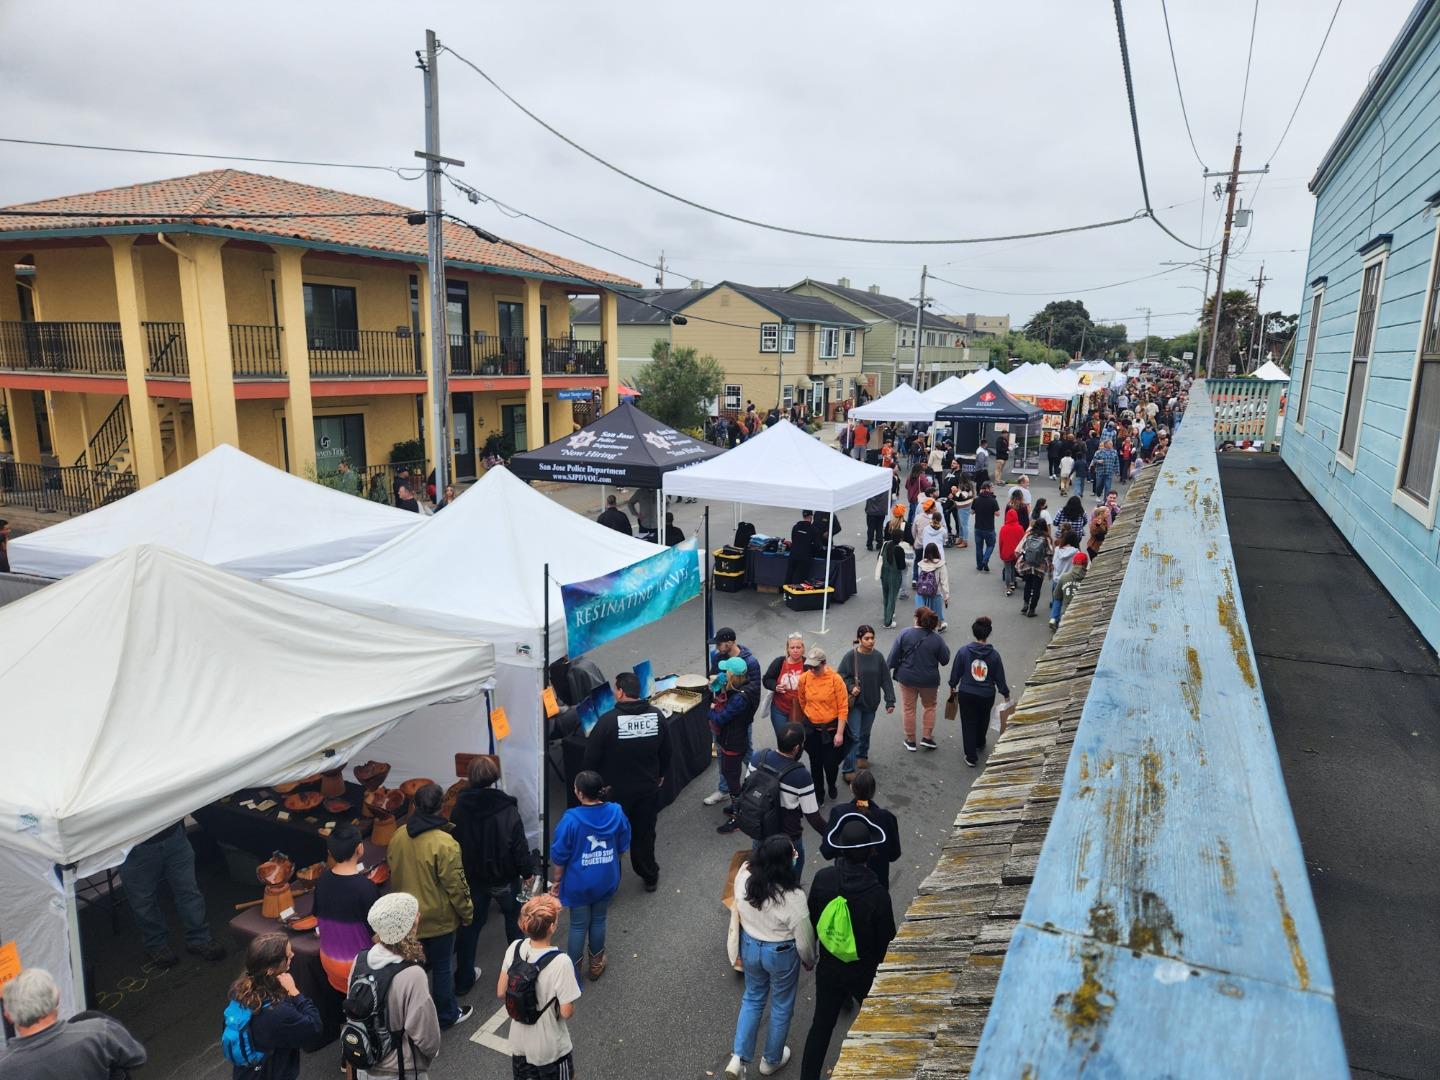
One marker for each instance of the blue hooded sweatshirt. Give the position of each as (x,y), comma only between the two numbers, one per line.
(588,843)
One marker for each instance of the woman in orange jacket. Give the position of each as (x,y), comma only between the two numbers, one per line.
(822,704)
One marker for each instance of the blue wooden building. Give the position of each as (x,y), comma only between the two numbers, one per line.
(1362,427)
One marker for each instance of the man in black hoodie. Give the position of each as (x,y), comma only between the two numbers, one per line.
(496,857)
(630,747)
(854,838)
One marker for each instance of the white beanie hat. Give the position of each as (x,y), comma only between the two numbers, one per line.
(392,917)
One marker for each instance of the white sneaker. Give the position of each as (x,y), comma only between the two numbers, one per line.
(766,1069)
(736,1069)
(715,798)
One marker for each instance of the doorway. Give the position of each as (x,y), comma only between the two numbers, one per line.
(457,325)
(462,408)
(512,427)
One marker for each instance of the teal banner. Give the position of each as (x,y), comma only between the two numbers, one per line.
(605,608)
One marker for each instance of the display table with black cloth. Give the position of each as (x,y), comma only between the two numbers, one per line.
(262,831)
(767,569)
(689,751)
(308,972)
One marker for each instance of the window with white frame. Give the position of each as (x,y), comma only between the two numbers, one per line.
(1421,448)
(907,339)
(829,343)
(787,337)
(732,396)
(849,342)
(1307,365)
(930,337)
(1360,359)
(769,337)
(788,397)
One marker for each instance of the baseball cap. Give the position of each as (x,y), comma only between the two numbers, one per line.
(1081,559)
(733,665)
(816,656)
(723,634)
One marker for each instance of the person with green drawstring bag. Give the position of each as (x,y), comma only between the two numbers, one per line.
(854,924)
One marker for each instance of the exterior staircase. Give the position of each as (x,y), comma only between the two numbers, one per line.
(111,456)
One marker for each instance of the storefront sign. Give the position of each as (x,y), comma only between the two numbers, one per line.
(575,395)
(605,608)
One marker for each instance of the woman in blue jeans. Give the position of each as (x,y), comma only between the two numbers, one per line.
(775,940)
(868,679)
(589,843)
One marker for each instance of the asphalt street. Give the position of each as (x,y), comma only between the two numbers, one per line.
(668,1003)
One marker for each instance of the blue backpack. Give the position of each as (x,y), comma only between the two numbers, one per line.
(235,1041)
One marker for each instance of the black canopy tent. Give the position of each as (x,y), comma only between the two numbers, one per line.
(992,404)
(624,447)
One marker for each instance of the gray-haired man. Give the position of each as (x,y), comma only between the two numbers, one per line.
(90,1046)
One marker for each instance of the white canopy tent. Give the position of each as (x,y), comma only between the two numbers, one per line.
(1271,372)
(226,509)
(904,404)
(1102,373)
(1042,381)
(783,466)
(150,685)
(478,570)
(959,387)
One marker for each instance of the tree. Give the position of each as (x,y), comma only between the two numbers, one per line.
(1018,347)
(677,386)
(1105,340)
(1060,324)
(1277,334)
(1237,320)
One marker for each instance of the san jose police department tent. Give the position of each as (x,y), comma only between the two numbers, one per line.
(227,509)
(783,466)
(624,447)
(149,685)
(476,569)
(993,404)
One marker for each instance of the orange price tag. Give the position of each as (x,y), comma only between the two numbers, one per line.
(499,723)
(552,706)
(9,962)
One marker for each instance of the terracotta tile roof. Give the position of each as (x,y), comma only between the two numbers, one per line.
(191,198)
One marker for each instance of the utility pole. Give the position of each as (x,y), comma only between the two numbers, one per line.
(1257,333)
(1232,187)
(1200,339)
(919,323)
(660,278)
(1050,332)
(435,244)
(1145,350)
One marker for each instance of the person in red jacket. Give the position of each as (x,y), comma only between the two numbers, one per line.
(1011,533)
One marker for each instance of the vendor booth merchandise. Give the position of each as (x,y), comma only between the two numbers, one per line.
(160,717)
(226,509)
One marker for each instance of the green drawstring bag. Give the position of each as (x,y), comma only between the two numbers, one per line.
(836,932)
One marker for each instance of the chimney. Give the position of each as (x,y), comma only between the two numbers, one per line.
(874,290)
(696,283)
(844,283)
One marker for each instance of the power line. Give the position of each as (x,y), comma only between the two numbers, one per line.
(1135,129)
(1249,56)
(783,228)
(202,215)
(1181,93)
(1320,52)
(215,157)
(1054,292)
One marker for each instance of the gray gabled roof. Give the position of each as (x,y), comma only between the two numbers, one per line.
(793,307)
(632,312)
(887,307)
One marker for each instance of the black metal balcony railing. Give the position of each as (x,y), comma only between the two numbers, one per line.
(487,356)
(566,356)
(255,351)
(165,349)
(62,489)
(383,354)
(89,348)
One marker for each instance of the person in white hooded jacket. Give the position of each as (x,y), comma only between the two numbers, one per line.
(410,1011)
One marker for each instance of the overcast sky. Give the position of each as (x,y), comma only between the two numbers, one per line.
(923,119)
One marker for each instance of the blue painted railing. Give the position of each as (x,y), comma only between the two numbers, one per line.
(1170,930)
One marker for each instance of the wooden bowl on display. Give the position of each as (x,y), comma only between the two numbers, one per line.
(300,923)
(452,796)
(286,789)
(311,873)
(303,800)
(277,899)
(410,787)
(332,783)
(372,774)
(384,829)
(384,801)
(277,870)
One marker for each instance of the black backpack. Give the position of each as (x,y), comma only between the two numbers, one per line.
(366,1038)
(743,532)
(759,813)
(522,988)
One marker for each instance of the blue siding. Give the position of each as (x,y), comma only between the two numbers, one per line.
(1382,184)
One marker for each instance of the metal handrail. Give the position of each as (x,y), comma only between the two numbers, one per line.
(386,354)
(90,348)
(165,349)
(567,356)
(257,351)
(109,439)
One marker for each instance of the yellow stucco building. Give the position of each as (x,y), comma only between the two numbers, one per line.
(147,324)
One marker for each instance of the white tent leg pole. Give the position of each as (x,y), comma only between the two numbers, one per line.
(602,498)
(72,921)
(734,516)
(825,596)
(660,515)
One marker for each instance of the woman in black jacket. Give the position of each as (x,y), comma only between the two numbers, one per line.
(282,1020)
(496,856)
(880,857)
